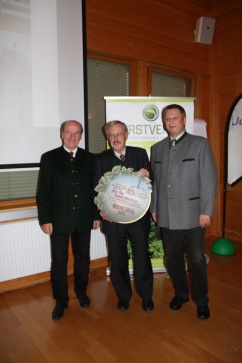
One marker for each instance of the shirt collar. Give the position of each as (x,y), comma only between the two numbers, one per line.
(178,137)
(118,155)
(74,151)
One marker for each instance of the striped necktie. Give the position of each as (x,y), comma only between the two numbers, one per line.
(122,157)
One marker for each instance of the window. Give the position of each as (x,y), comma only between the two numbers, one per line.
(103,79)
(18,184)
(170,83)
(167,85)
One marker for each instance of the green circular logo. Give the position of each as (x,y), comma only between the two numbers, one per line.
(150,113)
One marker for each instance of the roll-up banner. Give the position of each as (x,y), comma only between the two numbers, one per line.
(142,115)
(234,143)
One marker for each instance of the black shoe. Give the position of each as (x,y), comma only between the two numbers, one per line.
(177,302)
(148,305)
(84,301)
(123,305)
(58,311)
(203,312)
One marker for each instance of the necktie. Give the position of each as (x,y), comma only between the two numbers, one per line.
(71,154)
(173,142)
(122,157)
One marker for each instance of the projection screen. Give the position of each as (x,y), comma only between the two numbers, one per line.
(41,76)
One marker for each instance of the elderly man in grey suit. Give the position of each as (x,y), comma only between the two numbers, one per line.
(184,190)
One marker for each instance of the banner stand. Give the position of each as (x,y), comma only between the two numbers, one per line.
(232,169)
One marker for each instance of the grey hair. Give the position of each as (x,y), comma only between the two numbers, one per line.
(113,123)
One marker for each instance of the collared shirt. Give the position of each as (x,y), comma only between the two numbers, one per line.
(74,151)
(118,155)
(178,137)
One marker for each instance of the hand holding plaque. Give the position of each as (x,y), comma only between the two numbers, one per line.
(123,195)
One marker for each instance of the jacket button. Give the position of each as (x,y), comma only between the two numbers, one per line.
(169,186)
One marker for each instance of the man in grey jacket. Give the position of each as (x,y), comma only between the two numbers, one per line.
(184,190)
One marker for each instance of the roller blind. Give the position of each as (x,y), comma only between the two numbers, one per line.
(18,184)
(103,79)
(170,86)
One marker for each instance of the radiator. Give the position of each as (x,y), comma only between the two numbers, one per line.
(25,249)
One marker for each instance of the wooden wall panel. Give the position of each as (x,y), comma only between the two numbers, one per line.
(226,87)
(152,31)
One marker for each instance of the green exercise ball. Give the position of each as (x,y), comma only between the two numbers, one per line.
(223,246)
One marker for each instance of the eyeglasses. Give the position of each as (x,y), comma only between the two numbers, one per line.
(118,135)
